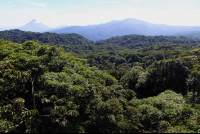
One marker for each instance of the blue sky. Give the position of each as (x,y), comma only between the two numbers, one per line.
(16,13)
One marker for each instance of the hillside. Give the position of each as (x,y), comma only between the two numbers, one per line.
(77,43)
(140,41)
(195,34)
(125,27)
(71,42)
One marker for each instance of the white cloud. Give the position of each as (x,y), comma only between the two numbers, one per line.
(80,15)
(139,0)
(9,2)
(31,2)
(37,4)
(113,2)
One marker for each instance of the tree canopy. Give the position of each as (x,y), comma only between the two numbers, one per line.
(124,84)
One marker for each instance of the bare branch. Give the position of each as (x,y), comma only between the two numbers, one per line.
(6,98)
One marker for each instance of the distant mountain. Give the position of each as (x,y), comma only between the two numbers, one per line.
(35,26)
(125,27)
(59,27)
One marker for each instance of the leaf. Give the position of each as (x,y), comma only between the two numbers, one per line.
(73,113)
(53,98)
(45,100)
(18,103)
(62,109)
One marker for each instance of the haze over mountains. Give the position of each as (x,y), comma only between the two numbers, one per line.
(114,28)
(126,27)
(35,26)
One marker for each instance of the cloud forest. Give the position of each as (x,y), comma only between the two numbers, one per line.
(65,83)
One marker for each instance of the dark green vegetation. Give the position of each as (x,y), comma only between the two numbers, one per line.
(44,89)
(122,53)
(71,42)
(195,34)
(78,44)
(124,84)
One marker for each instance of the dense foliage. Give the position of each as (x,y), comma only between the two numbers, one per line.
(141,41)
(44,89)
(71,42)
(194,34)
(124,85)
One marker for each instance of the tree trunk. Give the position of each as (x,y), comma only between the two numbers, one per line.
(33,92)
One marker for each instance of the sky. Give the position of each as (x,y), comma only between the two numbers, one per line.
(16,13)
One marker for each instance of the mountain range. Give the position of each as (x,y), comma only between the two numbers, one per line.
(126,27)
(115,28)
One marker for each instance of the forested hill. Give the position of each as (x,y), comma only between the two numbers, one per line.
(195,34)
(151,40)
(77,41)
(80,45)
(130,42)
